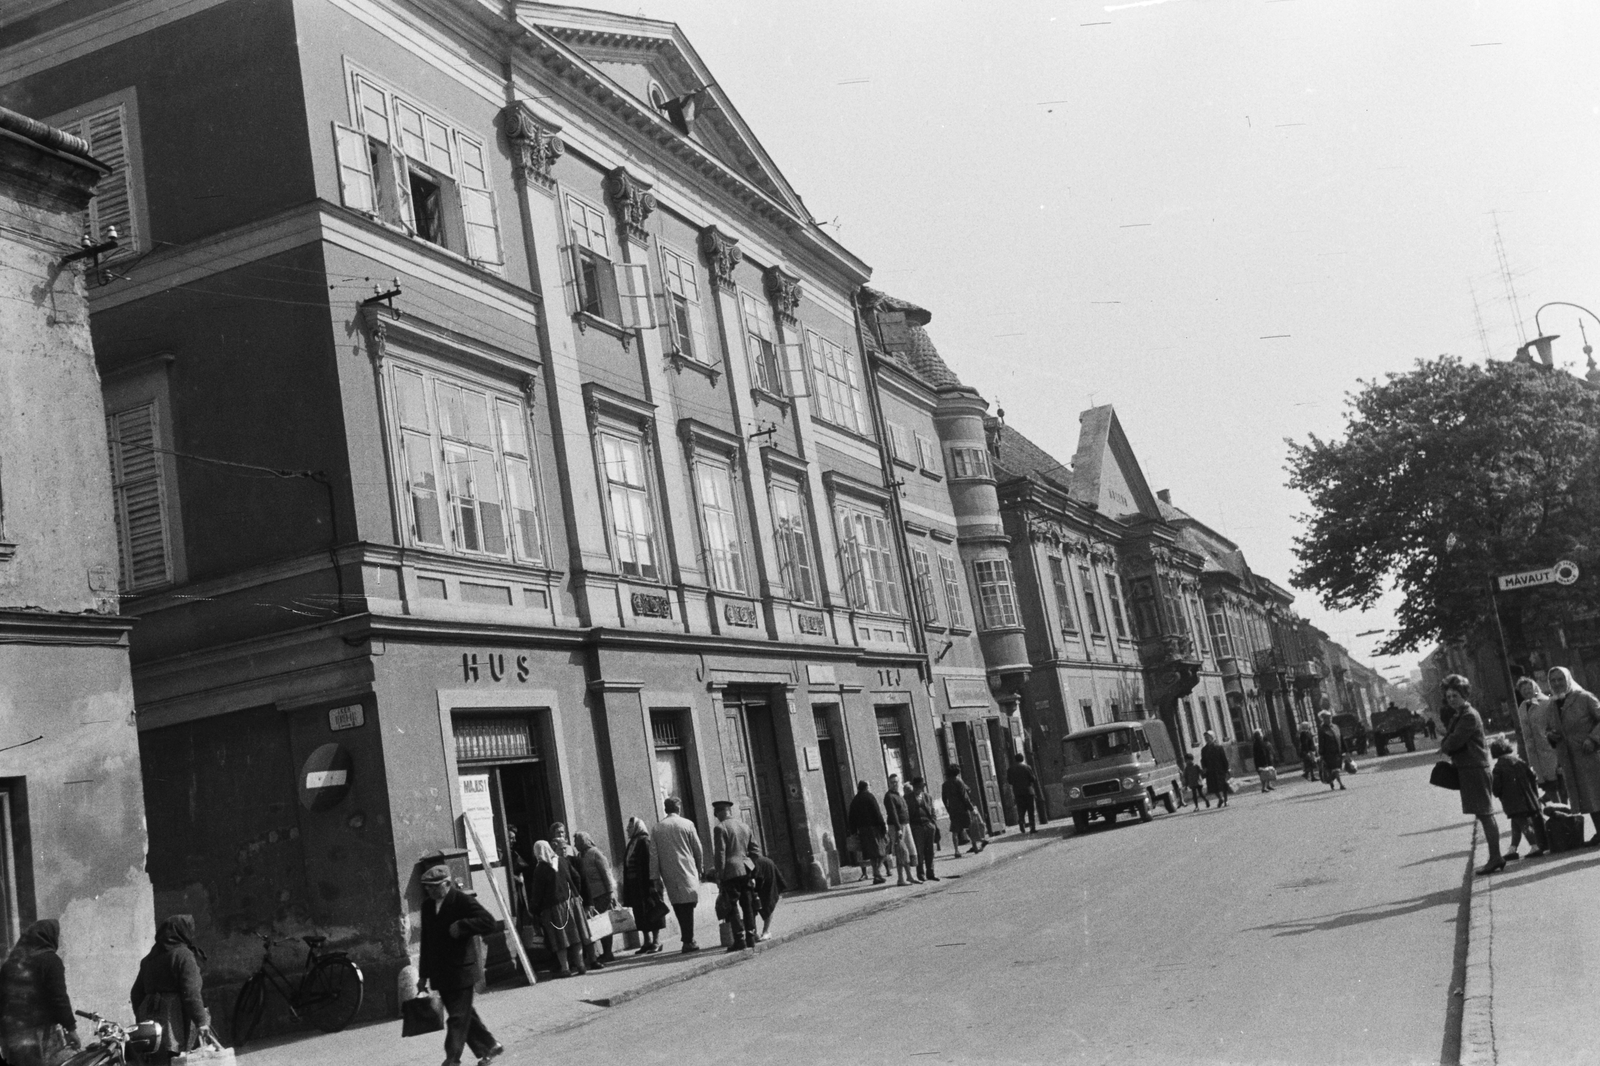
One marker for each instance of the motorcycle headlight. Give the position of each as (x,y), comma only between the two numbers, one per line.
(1075,793)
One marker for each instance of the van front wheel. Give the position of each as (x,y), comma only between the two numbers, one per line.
(1169,803)
(1144,811)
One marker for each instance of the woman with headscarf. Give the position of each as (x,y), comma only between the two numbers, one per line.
(37,1026)
(639,892)
(1468,749)
(168,990)
(556,889)
(1573,721)
(599,889)
(1533,720)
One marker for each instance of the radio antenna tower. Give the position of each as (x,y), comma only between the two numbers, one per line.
(1477,315)
(1505,276)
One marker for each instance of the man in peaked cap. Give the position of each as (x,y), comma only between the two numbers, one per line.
(732,866)
(451,923)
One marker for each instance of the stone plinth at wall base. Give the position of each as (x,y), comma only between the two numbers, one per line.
(817,880)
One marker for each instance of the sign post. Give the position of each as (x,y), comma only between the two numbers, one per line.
(1564,572)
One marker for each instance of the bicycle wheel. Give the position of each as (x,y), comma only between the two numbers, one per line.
(247,1009)
(331,994)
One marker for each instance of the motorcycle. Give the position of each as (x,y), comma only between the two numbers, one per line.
(112,1043)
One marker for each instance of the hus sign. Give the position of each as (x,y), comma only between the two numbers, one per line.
(1564,572)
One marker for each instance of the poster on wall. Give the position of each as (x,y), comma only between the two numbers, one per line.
(479,810)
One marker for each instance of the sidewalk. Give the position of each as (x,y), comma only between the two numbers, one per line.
(1533,961)
(518,1015)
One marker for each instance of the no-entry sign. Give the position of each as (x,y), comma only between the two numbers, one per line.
(325,778)
(1564,572)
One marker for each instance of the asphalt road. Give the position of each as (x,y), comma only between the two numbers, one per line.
(1301,926)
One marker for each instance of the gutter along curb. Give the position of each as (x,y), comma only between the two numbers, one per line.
(1477,1007)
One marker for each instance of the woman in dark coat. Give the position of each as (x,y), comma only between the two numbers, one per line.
(638,891)
(963,816)
(37,1026)
(770,886)
(1308,751)
(865,819)
(168,989)
(1469,754)
(1214,763)
(1261,754)
(1330,745)
(556,889)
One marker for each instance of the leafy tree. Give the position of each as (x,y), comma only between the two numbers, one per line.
(1448,475)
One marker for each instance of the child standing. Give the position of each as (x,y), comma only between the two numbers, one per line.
(1193,780)
(1514,782)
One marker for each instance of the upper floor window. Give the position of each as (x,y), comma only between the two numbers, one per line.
(1058,579)
(610,290)
(868,554)
(468,444)
(928,453)
(901,444)
(402,163)
(1219,633)
(922,574)
(725,554)
(792,528)
(997,597)
(628,499)
(837,388)
(1091,608)
(761,345)
(1114,599)
(139,497)
(108,126)
(1146,613)
(969,462)
(685,318)
(954,590)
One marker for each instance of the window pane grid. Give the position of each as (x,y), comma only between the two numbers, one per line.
(793,543)
(480,738)
(723,543)
(952,589)
(996,598)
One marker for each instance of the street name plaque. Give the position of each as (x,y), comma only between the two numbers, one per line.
(1564,572)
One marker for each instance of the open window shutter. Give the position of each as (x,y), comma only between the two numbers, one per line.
(697,329)
(792,365)
(402,191)
(356,186)
(477,205)
(140,511)
(107,134)
(633,295)
(665,312)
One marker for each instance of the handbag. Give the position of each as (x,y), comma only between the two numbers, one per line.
(623,921)
(211,1054)
(1445,775)
(421,1015)
(600,925)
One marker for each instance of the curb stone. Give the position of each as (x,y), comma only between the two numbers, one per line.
(1477,1008)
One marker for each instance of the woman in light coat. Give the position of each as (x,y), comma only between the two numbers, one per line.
(1533,717)
(1573,719)
(599,887)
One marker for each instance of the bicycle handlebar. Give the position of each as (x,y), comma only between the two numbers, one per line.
(88,1014)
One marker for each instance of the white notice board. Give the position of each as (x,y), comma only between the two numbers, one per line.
(479,810)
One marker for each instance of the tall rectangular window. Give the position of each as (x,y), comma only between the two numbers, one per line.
(684,314)
(1087,709)
(720,522)
(836,388)
(139,500)
(997,597)
(1114,598)
(468,444)
(869,561)
(633,523)
(761,344)
(592,265)
(900,444)
(954,590)
(1188,717)
(922,573)
(793,533)
(1090,607)
(107,130)
(1219,633)
(1058,578)
(928,450)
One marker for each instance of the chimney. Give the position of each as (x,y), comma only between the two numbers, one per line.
(1165,496)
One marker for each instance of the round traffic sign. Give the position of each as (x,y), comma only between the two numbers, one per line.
(1565,572)
(325,778)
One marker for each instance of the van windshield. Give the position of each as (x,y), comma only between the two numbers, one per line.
(1117,742)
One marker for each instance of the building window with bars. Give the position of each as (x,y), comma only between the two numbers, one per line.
(669,733)
(495,738)
(791,526)
(997,596)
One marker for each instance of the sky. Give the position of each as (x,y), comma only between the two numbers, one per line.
(1220,216)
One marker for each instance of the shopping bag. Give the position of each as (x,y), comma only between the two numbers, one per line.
(1271,772)
(623,921)
(1563,829)
(211,1054)
(423,1014)
(600,925)
(1445,775)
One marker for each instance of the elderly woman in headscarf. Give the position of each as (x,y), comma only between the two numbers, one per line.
(169,990)
(1573,729)
(639,892)
(599,889)
(1533,721)
(556,891)
(37,1026)
(1468,749)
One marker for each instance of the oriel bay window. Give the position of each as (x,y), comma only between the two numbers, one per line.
(997,596)
(466,464)
(870,579)
(791,528)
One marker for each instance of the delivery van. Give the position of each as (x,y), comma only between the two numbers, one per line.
(1120,766)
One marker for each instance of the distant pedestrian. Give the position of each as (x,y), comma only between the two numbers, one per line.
(1330,745)
(1514,782)
(924,827)
(639,892)
(599,887)
(965,821)
(732,866)
(1261,752)
(675,861)
(1194,781)
(451,922)
(1574,718)
(897,827)
(1469,754)
(37,1026)
(769,886)
(867,825)
(170,990)
(556,896)
(1214,764)
(1024,786)
(1307,740)
(913,851)
(1533,720)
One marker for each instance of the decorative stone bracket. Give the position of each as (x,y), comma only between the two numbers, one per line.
(535,144)
(722,254)
(633,203)
(783,289)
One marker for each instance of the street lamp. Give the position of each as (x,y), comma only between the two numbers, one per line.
(1542,343)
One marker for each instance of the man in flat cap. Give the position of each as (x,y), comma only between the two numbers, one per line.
(451,922)
(732,866)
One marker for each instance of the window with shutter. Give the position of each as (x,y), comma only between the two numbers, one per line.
(923,567)
(477,204)
(683,312)
(954,593)
(793,534)
(761,344)
(106,130)
(139,505)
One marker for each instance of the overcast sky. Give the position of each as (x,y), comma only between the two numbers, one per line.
(1217,215)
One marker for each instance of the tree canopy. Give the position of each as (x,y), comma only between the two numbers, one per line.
(1448,475)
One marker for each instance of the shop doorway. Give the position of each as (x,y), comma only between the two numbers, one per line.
(669,731)
(899,753)
(506,795)
(835,772)
(758,777)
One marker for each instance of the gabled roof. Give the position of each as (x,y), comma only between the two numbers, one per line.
(1105,471)
(1020,457)
(921,358)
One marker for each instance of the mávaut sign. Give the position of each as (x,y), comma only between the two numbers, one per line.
(1564,572)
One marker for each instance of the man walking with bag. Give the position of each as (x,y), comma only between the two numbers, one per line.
(732,866)
(452,921)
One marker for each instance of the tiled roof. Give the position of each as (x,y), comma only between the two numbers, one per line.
(1020,457)
(926,361)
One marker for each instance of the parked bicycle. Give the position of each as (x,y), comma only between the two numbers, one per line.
(327,995)
(112,1043)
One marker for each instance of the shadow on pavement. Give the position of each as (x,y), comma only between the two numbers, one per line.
(1441,857)
(1546,866)
(1436,829)
(1362,916)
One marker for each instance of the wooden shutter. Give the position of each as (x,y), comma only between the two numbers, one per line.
(139,510)
(107,134)
(633,296)
(477,205)
(402,190)
(356,186)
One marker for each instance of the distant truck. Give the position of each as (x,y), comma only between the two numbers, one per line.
(1395,723)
